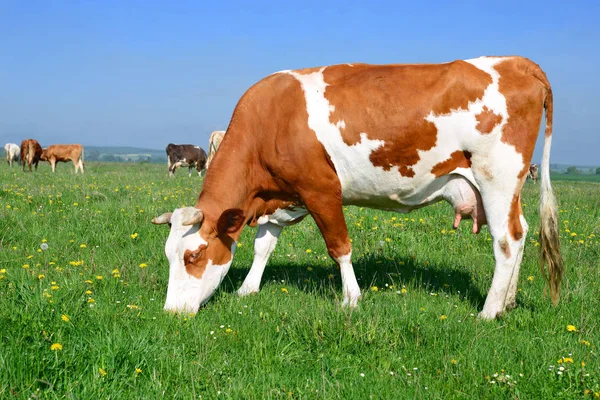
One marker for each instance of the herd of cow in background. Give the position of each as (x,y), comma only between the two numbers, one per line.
(30,153)
(178,155)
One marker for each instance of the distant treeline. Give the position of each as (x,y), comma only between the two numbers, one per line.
(125,154)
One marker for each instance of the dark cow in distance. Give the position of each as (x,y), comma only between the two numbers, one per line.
(31,151)
(533,173)
(63,153)
(182,155)
(394,137)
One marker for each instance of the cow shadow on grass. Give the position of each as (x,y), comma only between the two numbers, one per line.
(372,271)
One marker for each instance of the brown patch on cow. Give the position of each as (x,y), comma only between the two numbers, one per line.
(504,247)
(525,87)
(515,229)
(195,261)
(390,103)
(458,159)
(307,71)
(487,120)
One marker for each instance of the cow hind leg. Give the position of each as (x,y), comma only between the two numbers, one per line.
(264,244)
(508,229)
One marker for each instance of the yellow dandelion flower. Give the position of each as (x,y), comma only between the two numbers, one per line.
(26,266)
(102,371)
(99,277)
(571,328)
(88,281)
(375,288)
(308,250)
(44,240)
(115,271)
(91,301)
(584,342)
(54,287)
(403,290)
(88,292)
(65,318)
(567,360)
(453,361)
(284,290)
(82,245)
(138,371)
(143,265)
(134,235)
(228,330)
(41,276)
(56,347)
(443,317)
(530,278)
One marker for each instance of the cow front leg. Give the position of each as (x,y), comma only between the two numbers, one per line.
(264,244)
(325,206)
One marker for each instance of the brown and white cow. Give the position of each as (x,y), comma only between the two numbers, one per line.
(392,137)
(533,173)
(31,151)
(213,145)
(64,153)
(189,155)
(12,151)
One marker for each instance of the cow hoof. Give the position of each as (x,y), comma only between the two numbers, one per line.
(489,316)
(350,302)
(242,292)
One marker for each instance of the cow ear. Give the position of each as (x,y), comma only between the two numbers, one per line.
(230,221)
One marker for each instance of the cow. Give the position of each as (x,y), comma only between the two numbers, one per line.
(31,151)
(213,144)
(63,153)
(185,155)
(392,137)
(12,153)
(533,173)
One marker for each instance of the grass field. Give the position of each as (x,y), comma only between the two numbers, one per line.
(83,319)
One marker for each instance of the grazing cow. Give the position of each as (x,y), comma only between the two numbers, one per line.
(63,153)
(179,155)
(533,173)
(12,153)
(213,144)
(31,151)
(392,137)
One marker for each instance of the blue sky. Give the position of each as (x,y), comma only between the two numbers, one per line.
(146,73)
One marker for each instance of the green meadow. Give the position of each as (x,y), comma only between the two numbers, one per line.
(83,279)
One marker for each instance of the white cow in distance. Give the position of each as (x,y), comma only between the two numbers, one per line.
(12,153)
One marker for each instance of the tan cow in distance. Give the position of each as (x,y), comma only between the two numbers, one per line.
(63,153)
(213,145)
(31,151)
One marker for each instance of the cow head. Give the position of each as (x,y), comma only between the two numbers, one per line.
(200,251)
(44,155)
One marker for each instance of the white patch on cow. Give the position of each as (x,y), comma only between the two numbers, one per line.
(350,286)
(185,292)
(264,244)
(283,217)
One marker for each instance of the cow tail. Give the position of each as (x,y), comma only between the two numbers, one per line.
(549,232)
